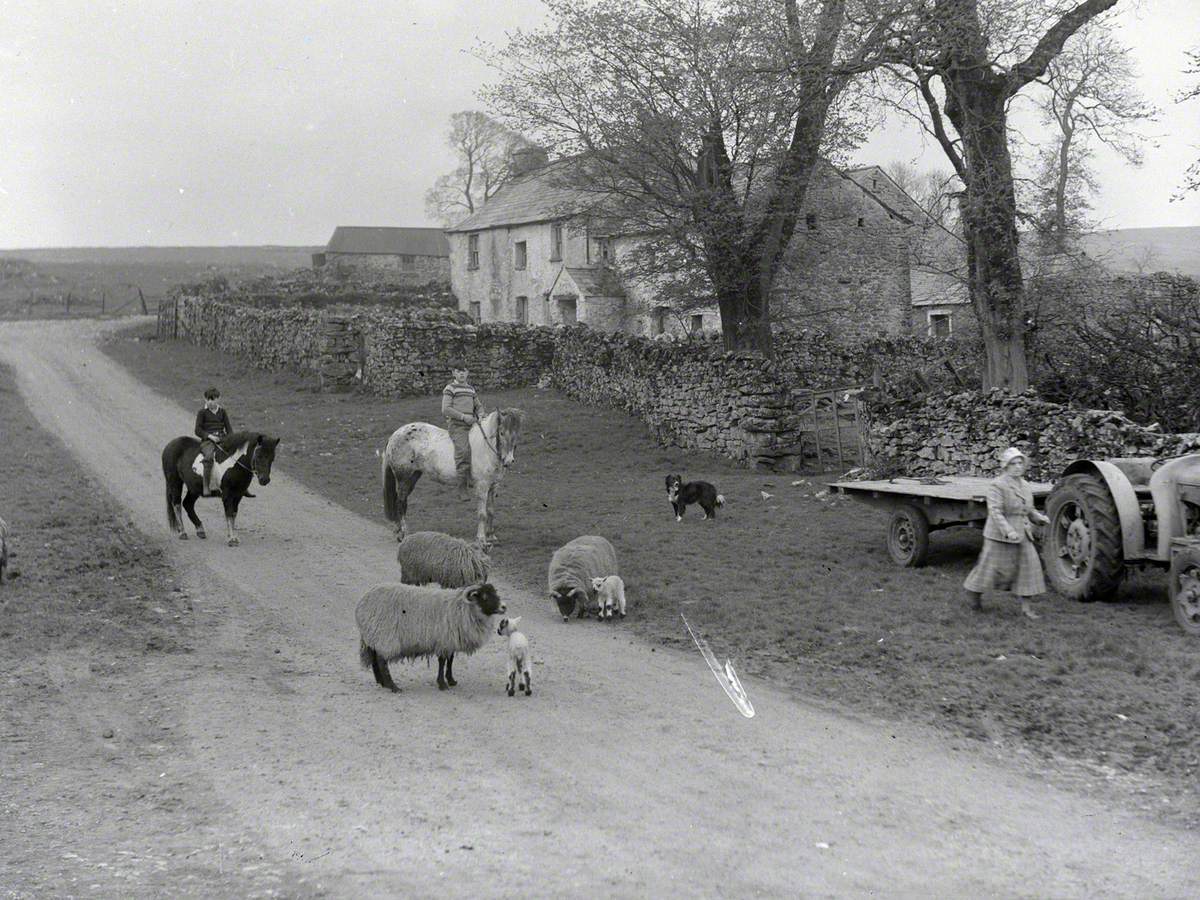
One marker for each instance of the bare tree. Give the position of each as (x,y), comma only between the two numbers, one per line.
(699,125)
(964,61)
(1191,178)
(483,149)
(1089,98)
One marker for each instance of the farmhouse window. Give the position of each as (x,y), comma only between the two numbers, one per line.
(472,251)
(556,241)
(939,324)
(408,262)
(861,222)
(697,324)
(520,255)
(523,310)
(546,310)
(605,246)
(658,320)
(811,221)
(476,311)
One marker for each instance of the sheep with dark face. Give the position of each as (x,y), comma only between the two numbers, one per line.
(430,557)
(572,569)
(405,621)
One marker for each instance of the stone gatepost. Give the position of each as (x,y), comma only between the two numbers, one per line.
(340,358)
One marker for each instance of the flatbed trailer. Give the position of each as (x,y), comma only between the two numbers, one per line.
(921,505)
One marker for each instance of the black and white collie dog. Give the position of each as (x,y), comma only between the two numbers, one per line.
(682,495)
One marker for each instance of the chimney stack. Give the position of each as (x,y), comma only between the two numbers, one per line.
(525,159)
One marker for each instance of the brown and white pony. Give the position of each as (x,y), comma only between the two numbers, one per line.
(240,457)
(419,447)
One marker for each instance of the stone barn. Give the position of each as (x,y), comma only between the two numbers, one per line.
(415,255)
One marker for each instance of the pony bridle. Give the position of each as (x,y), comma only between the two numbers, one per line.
(496,449)
(253,457)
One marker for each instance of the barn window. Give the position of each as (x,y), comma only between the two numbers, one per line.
(861,222)
(811,221)
(408,262)
(697,324)
(472,251)
(939,324)
(520,255)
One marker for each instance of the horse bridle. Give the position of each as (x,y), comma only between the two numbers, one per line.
(496,449)
(253,456)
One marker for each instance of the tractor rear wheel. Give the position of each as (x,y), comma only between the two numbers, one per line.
(1082,551)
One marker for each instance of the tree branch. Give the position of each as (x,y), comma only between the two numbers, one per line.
(1052,42)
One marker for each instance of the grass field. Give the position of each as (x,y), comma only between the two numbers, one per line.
(109,277)
(792,586)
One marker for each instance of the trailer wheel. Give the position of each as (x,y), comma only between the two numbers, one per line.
(908,536)
(1082,550)
(1183,588)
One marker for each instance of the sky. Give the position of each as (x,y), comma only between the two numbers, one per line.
(213,123)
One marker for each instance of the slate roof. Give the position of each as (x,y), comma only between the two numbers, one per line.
(389,241)
(534,197)
(599,282)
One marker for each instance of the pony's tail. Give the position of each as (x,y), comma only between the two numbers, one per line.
(172,519)
(390,506)
(364,654)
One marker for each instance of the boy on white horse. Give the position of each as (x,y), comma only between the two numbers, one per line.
(461,407)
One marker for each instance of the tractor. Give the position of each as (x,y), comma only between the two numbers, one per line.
(1107,514)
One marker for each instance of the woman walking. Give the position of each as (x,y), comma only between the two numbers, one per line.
(1009,559)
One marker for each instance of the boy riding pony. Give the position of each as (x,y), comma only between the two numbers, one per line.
(460,406)
(212,425)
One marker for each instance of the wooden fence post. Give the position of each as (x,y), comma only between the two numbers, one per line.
(103,301)
(145,312)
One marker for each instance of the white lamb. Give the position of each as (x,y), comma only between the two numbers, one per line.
(518,656)
(610,592)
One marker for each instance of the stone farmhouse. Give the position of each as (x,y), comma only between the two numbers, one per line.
(415,255)
(523,257)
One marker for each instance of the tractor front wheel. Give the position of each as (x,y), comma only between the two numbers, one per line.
(1183,589)
(1082,550)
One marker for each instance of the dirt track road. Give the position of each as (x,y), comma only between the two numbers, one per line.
(628,773)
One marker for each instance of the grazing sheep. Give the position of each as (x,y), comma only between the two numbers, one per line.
(405,621)
(610,592)
(572,569)
(430,557)
(3,549)
(518,656)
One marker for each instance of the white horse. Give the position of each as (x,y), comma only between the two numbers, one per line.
(420,447)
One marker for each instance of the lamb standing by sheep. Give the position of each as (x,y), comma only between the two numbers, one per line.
(404,621)
(610,593)
(518,656)
(430,557)
(572,569)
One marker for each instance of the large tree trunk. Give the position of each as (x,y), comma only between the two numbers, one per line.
(975,104)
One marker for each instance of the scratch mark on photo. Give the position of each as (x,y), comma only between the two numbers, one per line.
(727,677)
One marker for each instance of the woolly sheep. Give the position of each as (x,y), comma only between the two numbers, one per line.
(430,557)
(572,569)
(518,656)
(3,549)
(405,621)
(610,592)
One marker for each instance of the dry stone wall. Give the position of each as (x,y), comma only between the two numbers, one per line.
(692,394)
(964,434)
